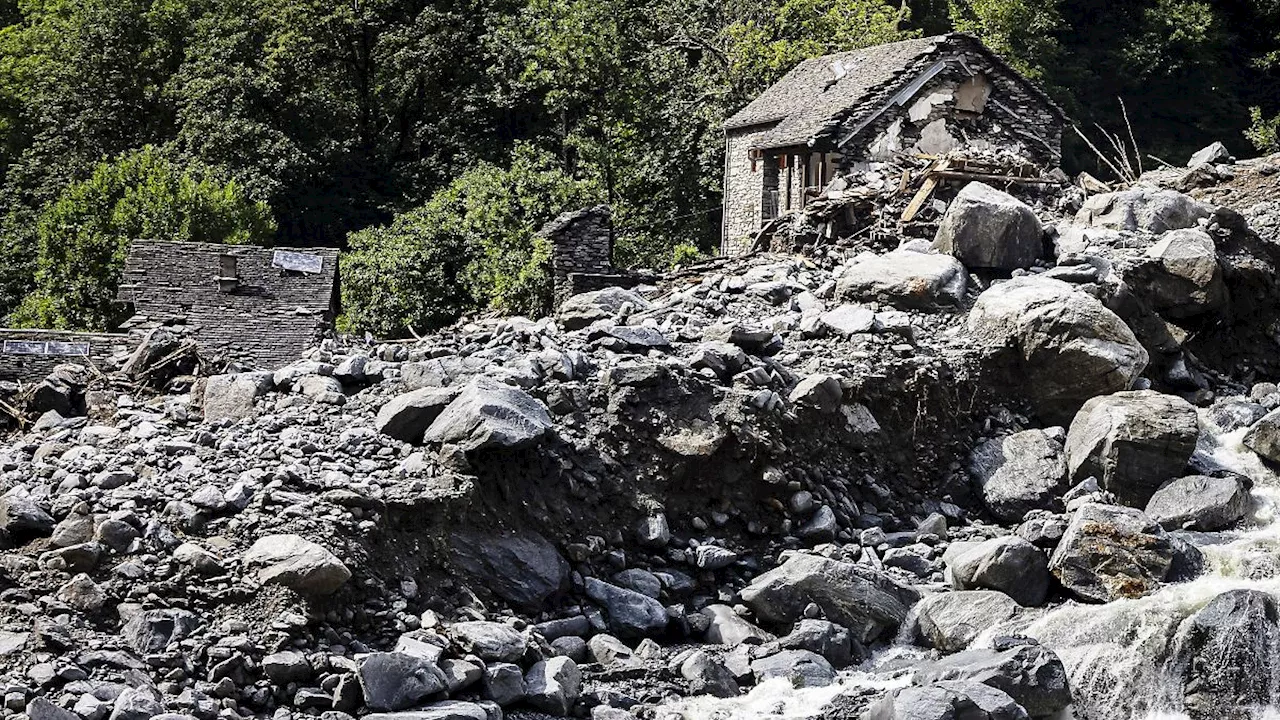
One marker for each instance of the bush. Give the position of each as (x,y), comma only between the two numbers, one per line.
(1264,133)
(686,254)
(472,246)
(84,234)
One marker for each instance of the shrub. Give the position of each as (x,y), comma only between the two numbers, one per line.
(472,246)
(1264,133)
(84,234)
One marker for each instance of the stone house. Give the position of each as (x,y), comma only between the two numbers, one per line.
(261,307)
(848,110)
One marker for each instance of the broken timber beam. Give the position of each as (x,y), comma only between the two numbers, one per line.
(926,189)
(985,177)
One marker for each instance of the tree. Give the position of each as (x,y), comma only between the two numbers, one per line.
(473,245)
(85,233)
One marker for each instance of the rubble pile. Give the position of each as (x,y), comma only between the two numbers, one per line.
(752,473)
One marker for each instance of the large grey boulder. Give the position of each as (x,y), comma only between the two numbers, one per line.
(444,710)
(1263,437)
(490,641)
(708,675)
(233,396)
(825,638)
(22,518)
(151,631)
(489,414)
(1180,276)
(1230,650)
(1133,442)
(1021,472)
(1008,564)
(407,416)
(859,597)
(905,279)
(948,700)
(1215,152)
(951,621)
(296,563)
(553,685)
(726,627)
(1142,208)
(1200,502)
(583,309)
(1110,552)
(395,681)
(1027,672)
(987,228)
(801,668)
(630,613)
(523,568)
(1062,345)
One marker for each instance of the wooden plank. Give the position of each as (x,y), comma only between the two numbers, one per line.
(926,189)
(987,177)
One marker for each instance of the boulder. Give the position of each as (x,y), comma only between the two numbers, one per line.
(708,676)
(1213,154)
(407,416)
(1200,502)
(825,638)
(1110,552)
(1021,472)
(1142,208)
(1133,442)
(949,700)
(553,685)
(1180,276)
(801,667)
(21,518)
(503,683)
(285,667)
(821,392)
(490,641)
(1063,346)
(1230,650)
(751,338)
(232,396)
(1009,564)
(905,279)
(1027,672)
(951,621)
(1263,437)
(726,627)
(523,568)
(848,319)
(395,681)
(630,613)
(151,631)
(859,597)
(488,414)
(298,564)
(583,309)
(987,228)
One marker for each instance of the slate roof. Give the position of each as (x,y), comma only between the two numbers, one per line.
(809,98)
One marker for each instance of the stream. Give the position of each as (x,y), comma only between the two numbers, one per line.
(1125,660)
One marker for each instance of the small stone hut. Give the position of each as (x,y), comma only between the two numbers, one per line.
(258,306)
(846,111)
(582,252)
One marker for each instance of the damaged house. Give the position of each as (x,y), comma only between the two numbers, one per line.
(848,111)
(260,307)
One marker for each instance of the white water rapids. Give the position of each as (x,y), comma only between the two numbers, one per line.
(1124,659)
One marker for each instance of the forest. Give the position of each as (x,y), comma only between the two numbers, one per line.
(431,138)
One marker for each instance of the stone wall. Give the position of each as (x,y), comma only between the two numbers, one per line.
(743,190)
(581,251)
(28,356)
(264,319)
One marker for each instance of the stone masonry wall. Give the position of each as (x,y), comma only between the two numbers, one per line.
(28,356)
(264,321)
(581,251)
(743,191)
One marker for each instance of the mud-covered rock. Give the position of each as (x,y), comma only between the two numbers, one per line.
(1111,552)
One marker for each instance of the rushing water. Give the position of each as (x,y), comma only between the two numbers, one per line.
(1126,659)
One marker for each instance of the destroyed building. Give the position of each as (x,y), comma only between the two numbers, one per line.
(260,307)
(847,111)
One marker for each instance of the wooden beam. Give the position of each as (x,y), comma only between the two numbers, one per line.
(926,189)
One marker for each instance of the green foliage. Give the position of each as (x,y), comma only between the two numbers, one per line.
(686,254)
(84,234)
(1264,132)
(471,246)
(1022,31)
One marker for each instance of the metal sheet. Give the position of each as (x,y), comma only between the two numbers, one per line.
(300,262)
(73,349)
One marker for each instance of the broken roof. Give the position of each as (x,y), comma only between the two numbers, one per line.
(821,91)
